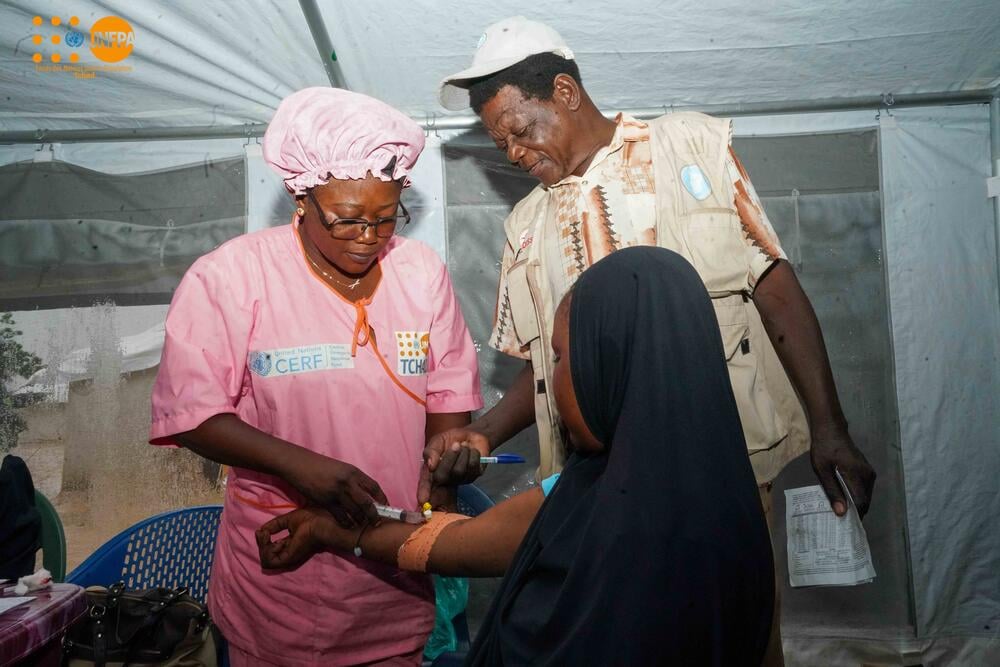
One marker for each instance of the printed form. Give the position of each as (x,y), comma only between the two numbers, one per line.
(823,548)
(10,603)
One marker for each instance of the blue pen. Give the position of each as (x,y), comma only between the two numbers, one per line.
(502,458)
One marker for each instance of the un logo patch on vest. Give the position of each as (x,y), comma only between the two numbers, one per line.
(412,348)
(695,182)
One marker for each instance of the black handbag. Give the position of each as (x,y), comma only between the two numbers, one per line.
(158,626)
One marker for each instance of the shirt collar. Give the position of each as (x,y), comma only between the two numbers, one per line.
(627,129)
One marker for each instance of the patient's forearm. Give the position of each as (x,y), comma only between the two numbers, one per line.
(481,546)
(485,546)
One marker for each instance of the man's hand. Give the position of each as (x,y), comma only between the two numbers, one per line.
(309,530)
(834,450)
(451,458)
(344,490)
(793,329)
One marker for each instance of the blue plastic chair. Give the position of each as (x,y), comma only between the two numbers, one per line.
(473,501)
(173,550)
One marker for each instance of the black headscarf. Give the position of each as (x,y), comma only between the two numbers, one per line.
(654,552)
(20,523)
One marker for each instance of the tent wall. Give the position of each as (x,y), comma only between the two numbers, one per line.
(942,261)
(73,236)
(821,192)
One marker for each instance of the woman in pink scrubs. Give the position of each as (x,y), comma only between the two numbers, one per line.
(315,359)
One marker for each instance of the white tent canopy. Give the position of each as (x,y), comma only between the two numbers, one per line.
(225,64)
(158,164)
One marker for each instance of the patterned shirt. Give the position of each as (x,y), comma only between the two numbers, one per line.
(613,206)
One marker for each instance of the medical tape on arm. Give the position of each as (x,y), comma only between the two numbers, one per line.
(414,553)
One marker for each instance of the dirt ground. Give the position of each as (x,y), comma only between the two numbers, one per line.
(115,498)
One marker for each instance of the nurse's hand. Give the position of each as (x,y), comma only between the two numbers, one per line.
(347,492)
(309,530)
(452,458)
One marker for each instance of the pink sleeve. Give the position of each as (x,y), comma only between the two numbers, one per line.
(204,354)
(453,371)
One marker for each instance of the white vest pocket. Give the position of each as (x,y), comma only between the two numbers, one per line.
(717,250)
(763,427)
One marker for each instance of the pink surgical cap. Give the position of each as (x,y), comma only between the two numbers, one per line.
(322,133)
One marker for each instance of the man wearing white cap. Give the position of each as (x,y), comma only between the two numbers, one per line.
(607,184)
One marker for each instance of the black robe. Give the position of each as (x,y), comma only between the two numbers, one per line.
(20,523)
(656,551)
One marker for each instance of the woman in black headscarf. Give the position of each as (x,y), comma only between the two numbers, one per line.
(652,546)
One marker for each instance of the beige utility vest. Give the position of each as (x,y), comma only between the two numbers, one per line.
(708,234)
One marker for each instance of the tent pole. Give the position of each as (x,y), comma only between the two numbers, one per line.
(872,102)
(995,164)
(468,121)
(327,54)
(138,134)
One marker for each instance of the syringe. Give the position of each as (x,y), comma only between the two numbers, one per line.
(406,516)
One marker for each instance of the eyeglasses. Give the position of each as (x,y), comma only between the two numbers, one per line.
(348,229)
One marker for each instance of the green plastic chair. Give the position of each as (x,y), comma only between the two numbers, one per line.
(53,538)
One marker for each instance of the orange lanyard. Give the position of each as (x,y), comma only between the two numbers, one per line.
(262,506)
(362,330)
(396,380)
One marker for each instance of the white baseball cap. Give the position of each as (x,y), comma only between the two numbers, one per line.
(504,43)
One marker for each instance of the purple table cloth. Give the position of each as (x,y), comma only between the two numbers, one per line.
(33,629)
